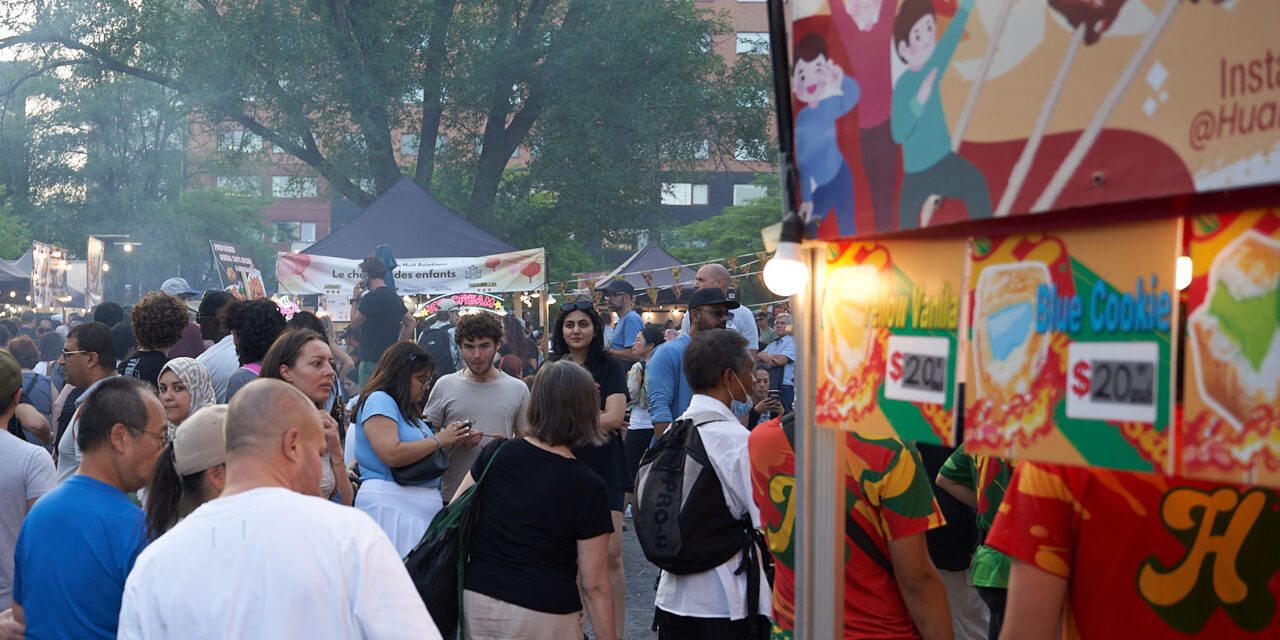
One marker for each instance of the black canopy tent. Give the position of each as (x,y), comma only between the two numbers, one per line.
(413,224)
(659,264)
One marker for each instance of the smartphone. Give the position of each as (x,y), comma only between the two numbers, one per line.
(467,424)
(775,394)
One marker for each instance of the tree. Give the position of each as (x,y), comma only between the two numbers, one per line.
(605,94)
(736,230)
(15,238)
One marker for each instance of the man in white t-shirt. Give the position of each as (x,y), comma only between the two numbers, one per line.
(479,391)
(741,321)
(714,603)
(26,473)
(267,559)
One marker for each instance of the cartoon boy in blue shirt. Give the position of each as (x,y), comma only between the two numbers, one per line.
(827,94)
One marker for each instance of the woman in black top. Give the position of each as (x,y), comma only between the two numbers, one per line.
(542,520)
(578,336)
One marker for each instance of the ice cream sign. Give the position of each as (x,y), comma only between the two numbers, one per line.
(890,313)
(1231,418)
(1070,345)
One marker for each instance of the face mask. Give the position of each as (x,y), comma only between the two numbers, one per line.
(746,397)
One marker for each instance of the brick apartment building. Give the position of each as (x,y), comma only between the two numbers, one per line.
(305,210)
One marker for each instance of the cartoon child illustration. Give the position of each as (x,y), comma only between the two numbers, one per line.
(866,31)
(827,94)
(918,122)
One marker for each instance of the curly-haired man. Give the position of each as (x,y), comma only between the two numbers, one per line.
(158,321)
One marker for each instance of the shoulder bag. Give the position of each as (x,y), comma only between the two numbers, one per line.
(426,469)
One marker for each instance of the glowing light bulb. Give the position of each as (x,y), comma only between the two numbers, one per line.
(128,248)
(785,274)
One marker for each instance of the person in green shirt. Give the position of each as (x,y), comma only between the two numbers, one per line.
(918,123)
(980,482)
(764,324)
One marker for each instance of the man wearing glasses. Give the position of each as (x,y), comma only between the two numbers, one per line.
(669,392)
(79,541)
(88,358)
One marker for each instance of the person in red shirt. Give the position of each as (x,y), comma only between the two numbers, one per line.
(1104,554)
(891,588)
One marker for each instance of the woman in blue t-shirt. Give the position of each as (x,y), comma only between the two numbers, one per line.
(389,432)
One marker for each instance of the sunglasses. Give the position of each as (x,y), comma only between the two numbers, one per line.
(716,312)
(581,305)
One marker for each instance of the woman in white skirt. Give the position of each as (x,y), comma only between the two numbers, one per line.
(389,432)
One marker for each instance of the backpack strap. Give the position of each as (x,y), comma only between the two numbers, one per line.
(851,527)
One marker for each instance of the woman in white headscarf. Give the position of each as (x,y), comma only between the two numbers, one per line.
(185,387)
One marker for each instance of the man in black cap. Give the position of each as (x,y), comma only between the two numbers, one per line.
(621,295)
(669,391)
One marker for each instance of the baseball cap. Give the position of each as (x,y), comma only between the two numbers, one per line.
(10,375)
(178,287)
(711,295)
(446,305)
(618,285)
(200,441)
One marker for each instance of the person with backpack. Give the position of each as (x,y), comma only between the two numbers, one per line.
(438,339)
(684,529)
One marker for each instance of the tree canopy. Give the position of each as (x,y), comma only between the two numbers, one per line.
(603,96)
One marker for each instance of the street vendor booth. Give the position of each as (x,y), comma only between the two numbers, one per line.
(436,252)
(1057,225)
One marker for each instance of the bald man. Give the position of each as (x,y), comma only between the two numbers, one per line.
(740,320)
(268,559)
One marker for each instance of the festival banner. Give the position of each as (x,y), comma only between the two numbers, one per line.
(1070,340)
(465,301)
(236,269)
(1231,398)
(300,273)
(1010,107)
(890,312)
(93,272)
(49,276)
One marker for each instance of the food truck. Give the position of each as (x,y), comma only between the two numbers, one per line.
(1055,223)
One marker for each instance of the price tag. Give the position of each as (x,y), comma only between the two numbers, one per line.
(1113,381)
(917,369)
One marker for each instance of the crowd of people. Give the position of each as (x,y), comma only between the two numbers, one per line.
(266,482)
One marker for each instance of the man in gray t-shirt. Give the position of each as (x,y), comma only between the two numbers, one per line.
(26,473)
(479,391)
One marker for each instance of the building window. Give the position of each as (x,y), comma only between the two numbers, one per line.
(747,193)
(293,187)
(287,231)
(242,185)
(239,141)
(684,194)
(409,144)
(307,232)
(753,42)
(703,151)
(750,151)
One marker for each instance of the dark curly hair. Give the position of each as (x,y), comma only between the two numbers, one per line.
(158,320)
(478,326)
(256,324)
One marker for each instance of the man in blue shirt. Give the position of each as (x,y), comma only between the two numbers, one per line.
(79,541)
(621,297)
(669,392)
(780,356)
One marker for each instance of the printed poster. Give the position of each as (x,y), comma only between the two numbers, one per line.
(235,265)
(525,270)
(93,272)
(1231,390)
(919,113)
(337,307)
(1070,346)
(48,276)
(890,312)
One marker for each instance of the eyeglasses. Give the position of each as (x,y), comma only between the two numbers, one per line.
(581,305)
(68,354)
(164,437)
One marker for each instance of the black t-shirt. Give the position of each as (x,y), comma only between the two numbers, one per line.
(382,310)
(68,412)
(144,365)
(534,508)
(608,460)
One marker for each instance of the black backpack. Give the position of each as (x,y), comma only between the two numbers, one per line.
(436,342)
(680,515)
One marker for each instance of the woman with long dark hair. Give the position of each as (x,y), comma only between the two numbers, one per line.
(517,343)
(388,431)
(190,470)
(578,337)
(303,359)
